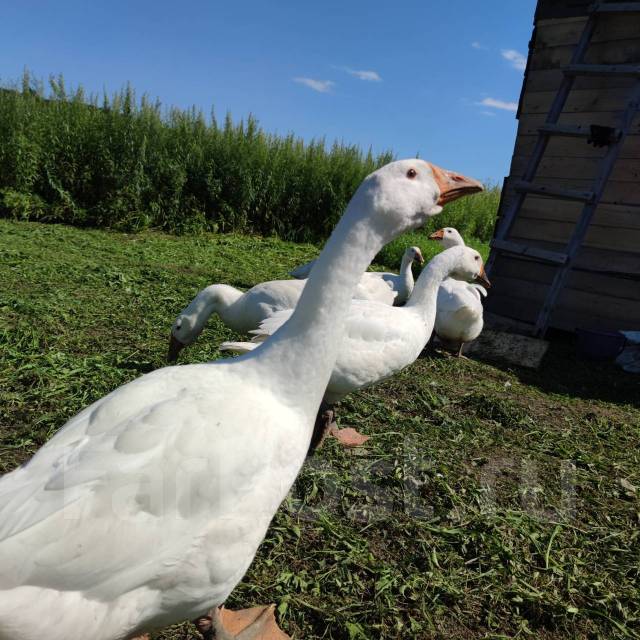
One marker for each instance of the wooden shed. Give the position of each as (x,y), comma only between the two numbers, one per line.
(566,248)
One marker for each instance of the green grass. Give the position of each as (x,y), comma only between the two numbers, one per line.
(490,502)
(122,163)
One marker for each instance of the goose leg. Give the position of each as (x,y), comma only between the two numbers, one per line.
(325,420)
(248,624)
(459,352)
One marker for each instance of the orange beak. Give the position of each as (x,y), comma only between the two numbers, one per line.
(437,235)
(454,185)
(419,257)
(175,347)
(482,278)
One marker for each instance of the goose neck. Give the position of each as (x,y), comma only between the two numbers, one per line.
(406,274)
(304,350)
(425,291)
(217,298)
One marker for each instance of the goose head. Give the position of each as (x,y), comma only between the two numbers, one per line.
(183,333)
(403,194)
(448,237)
(191,321)
(467,265)
(414,254)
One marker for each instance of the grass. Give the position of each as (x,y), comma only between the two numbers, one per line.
(125,163)
(490,502)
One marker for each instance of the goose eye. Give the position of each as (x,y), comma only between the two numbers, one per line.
(477,258)
(411,174)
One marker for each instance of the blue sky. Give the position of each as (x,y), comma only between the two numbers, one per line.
(436,78)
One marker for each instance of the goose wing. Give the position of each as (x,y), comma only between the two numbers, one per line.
(125,491)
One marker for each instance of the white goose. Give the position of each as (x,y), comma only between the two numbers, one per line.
(399,285)
(239,310)
(148,506)
(380,340)
(243,311)
(460,315)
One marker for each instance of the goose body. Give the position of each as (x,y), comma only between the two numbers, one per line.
(380,340)
(148,506)
(143,510)
(381,286)
(459,317)
(375,345)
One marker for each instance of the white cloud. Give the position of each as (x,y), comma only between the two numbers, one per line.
(518,60)
(498,104)
(370,76)
(488,113)
(322,86)
(477,45)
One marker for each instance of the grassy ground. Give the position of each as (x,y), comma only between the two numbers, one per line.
(490,503)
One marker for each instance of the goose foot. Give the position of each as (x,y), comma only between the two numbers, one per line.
(448,350)
(326,425)
(257,623)
(348,437)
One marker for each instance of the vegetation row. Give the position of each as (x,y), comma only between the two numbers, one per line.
(123,163)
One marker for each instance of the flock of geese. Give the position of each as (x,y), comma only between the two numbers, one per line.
(148,506)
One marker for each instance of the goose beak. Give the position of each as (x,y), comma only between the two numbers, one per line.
(453,185)
(175,347)
(419,257)
(437,235)
(482,278)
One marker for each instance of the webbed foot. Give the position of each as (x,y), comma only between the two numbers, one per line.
(348,437)
(256,623)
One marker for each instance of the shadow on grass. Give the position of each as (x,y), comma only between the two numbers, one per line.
(563,371)
(140,367)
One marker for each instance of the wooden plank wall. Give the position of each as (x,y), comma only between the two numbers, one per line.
(604,287)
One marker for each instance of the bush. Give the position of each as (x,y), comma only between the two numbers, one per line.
(122,163)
